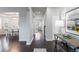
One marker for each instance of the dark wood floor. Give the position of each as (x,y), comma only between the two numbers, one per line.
(49,45)
(18,46)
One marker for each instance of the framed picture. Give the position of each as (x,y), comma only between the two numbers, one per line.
(72,21)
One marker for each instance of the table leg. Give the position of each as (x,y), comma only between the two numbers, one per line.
(55,49)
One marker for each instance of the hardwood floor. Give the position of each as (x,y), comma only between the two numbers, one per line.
(29,48)
(17,46)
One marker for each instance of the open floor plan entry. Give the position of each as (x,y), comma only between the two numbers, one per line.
(39,29)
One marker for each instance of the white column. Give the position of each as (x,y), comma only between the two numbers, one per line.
(30,27)
(49,24)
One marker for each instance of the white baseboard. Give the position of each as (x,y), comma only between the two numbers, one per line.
(49,39)
(29,43)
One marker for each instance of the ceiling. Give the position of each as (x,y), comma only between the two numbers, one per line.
(11,19)
(39,11)
(10,14)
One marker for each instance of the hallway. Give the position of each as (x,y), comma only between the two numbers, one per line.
(17,46)
(39,29)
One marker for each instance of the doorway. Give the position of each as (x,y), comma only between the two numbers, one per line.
(9,25)
(38,16)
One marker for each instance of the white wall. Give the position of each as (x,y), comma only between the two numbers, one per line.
(52,16)
(49,24)
(24,26)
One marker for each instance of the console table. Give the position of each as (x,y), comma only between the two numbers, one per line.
(73,43)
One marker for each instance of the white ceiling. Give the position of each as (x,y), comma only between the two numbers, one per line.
(11,19)
(10,14)
(39,11)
